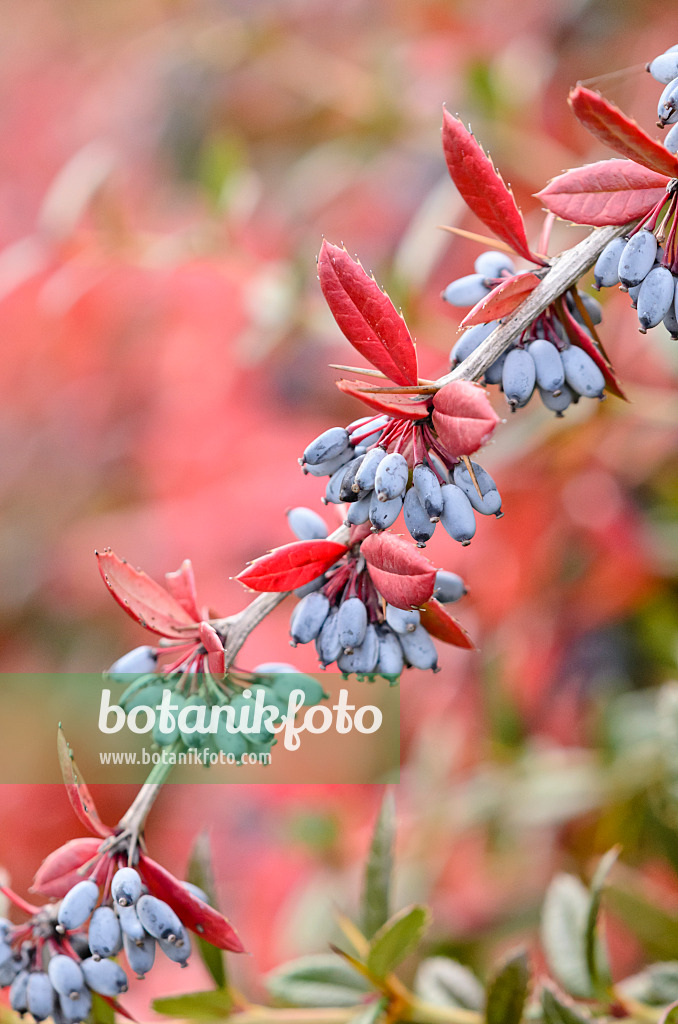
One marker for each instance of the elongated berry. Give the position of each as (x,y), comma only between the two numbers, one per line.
(466,291)
(581,373)
(671,322)
(306,524)
(104,976)
(158,918)
(104,934)
(352,623)
(420,527)
(307,618)
(75,1011)
(178,951)
(65,975)
(667,108)
(196,891)
(126,886)
(40,996)
(384,513)
(326,446)
(448,587)
(359,511)
(165,737)
(330,466)
(606,270)
(557,403)
(419,649)
(518,377)
(136,662)
(656,296)
(664,68)
(457,517)
(548,365)
(77,905)
(366,655)
(470,340)
(427,486)
(327,643)
(18,993)
(364,478)
(391,658)
(493,373)
(310,587)
(333,488)
(130,924)
(390,480)
(493,263)
(140,955)
(637,258)
(402,620)
(346,491)
(490,502)
(312,690)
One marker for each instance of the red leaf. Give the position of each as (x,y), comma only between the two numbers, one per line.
(78,793)
(291,565)
(463,417)
(144,600)
(620,132)
(398,570)
(436,619)
(578,336)
(366,315)
(59,870)
(357,534)
(607,192)
(195,914)
(400,406)
(115,1005)
(215,649)
(482,187)
(502,300)
(181,585)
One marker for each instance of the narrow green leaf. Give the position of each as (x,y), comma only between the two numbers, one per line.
(445,982)
(200,873)
(195,1005)
(377,887)
(655,927)
(557,1011)
(395,939)
(507,992)
(596,953)
(315,981)
(102,1012)
(670,1015)
(563,929)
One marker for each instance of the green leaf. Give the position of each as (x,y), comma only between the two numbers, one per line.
(563,930)
(315,981)
(371,1013)
(657,985)
(507,992)
(195,1005)
(670,1016)
(556,1011)
(395,939)
(200,873)
(377,888)
(445,982)
(655,927)
(102,1012)
(596,954)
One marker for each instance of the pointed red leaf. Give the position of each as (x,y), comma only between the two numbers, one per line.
(144,600)
(181,585)
(463,417)
(78,793)
(482,187)
(59,870)
(620,132)
(195,914)
(291,565)
(402,407)
(607,192)
(398,570)
(366,315)
(578,336)
(502,300)
(437,621)
(211,641)
(115,1005)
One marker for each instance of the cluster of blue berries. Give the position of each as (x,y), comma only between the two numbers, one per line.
(635,262)
(55,962)
(664,69)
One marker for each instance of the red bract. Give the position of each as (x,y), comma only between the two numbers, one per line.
(502,300)
(463,417)
(402,407)
(291,565)
(366,315)
(606,192)
(60,870)
(401,574)
(144,600)
(78,793)
(482,187)
(437,621)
